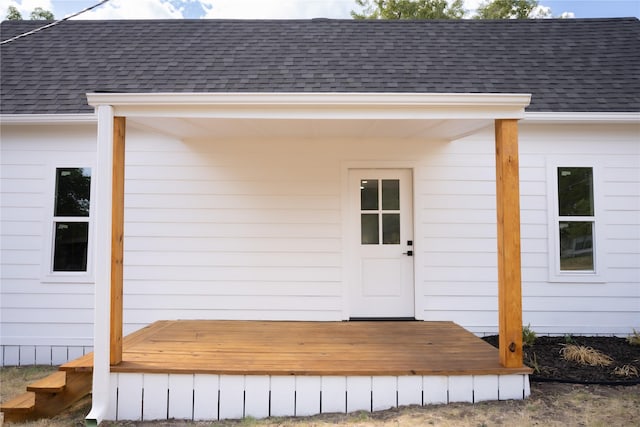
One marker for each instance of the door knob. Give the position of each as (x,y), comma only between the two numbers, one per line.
(408,253)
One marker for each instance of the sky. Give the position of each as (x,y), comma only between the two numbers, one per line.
(281,9)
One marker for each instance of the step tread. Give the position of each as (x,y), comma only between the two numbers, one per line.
(54,383)
(81,364)
(23,403)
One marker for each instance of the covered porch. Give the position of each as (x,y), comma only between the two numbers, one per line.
(214,369)
(118,376)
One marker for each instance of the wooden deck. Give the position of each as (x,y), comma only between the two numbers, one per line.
(375,348)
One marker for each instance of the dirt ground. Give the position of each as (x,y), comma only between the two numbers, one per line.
(550,404)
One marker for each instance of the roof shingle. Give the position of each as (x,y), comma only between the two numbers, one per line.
(574,65)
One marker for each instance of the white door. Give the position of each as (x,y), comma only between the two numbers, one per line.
(381,210)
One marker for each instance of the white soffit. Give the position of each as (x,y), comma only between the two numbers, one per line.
(336,106)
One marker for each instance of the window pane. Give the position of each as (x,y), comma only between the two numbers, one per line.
(369,229)
(369,194)
(391,229)
(391,194)
(70,249)
(576,246)
(575,191)
(73,188)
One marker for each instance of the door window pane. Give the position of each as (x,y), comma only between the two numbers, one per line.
(73,188)
(575,191)
(70,247)
(369,229)
(391,229)
(369,194)
(576,246)
(390,194)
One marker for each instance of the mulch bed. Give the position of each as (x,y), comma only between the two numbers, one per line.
(545,358)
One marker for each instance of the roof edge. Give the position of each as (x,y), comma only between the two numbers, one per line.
(48,119)
(316,105)
(581,117)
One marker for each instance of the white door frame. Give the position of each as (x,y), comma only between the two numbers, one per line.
(348,225)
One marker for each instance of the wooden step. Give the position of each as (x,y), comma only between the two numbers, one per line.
(81,364)
(48,397)
(20,404)
(78,385)
(54,383)
(19,409)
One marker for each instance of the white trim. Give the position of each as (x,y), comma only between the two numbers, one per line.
(551,117)
(48,119)
(555,274)
(102,251)
(316,105)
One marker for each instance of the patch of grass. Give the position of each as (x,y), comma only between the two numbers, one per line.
(626,371)
(568,339)
(585,355)
(634,338)
(534,363)
(361,416)
(14,379)
(249,421)
(528,335)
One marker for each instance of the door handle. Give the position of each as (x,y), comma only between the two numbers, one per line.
(408,253)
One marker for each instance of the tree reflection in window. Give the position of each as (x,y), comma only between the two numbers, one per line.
(73,191)
(71,219)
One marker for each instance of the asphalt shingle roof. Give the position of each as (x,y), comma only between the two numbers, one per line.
(572,65)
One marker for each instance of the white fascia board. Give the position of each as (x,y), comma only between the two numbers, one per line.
(316,105)
(595,117)
(47,119)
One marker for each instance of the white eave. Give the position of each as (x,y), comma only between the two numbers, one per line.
(347,106)
(313,115)
(585,117)
(48,119)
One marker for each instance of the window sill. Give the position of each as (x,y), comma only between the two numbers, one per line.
(586,277)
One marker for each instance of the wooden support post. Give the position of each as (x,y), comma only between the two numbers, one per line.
(117,240)
(509,275)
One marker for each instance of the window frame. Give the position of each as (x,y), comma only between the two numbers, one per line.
(50,220)
(597,275)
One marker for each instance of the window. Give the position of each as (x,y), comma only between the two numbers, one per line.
(71,220)
(380,211)
(574,243)
(576,218)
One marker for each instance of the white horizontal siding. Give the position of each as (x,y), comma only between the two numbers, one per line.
(458,239)
(238,230)
(44,323)
(614,305)
(252,229)
(457,245)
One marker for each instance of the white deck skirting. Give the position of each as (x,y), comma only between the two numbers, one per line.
(135,396)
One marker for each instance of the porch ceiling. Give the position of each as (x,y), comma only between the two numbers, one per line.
(314,115)
(365,129)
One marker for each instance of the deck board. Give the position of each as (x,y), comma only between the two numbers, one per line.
(306,348)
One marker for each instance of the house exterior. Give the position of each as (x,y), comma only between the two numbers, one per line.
(317,170)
